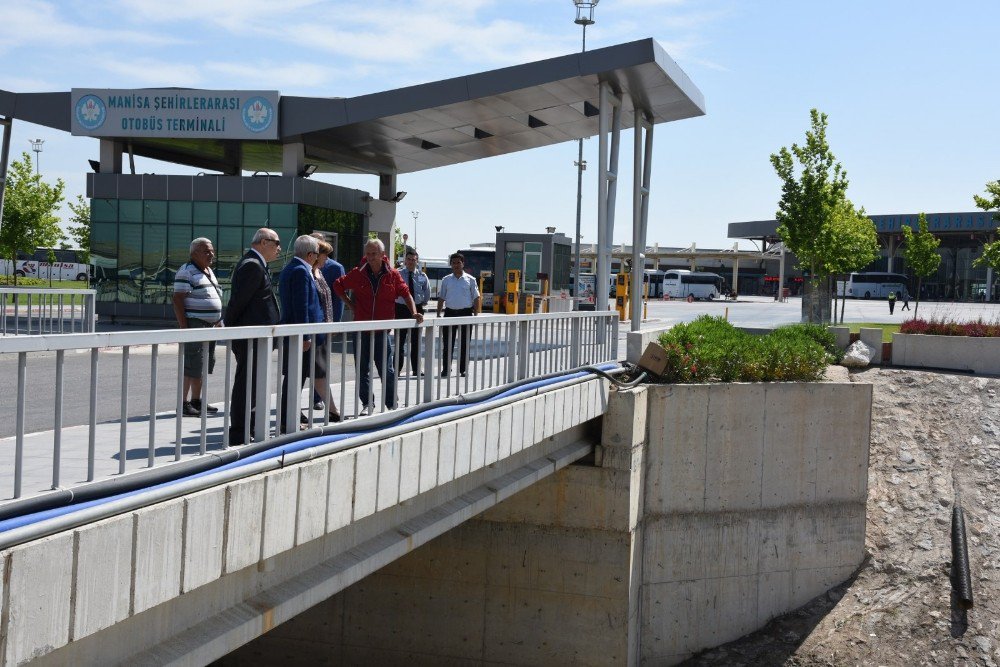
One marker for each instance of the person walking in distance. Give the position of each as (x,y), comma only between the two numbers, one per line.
(374,287)
(458,296)
(906,301)
(197,305)
(416,281)
(892,302)
(251,303)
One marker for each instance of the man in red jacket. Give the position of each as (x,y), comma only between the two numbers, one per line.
(374,286)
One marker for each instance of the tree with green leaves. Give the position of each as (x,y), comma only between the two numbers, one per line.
(847,242)
(991,251)
(921,253)
(29,211)
(992,201)
(398,247)
(79,225)
(813,189)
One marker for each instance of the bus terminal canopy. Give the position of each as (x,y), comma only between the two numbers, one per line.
(392,132)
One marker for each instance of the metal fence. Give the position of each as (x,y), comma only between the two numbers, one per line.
(87,406)
(28,311)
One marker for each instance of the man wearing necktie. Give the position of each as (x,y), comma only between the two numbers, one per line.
(416,281)
(251,303)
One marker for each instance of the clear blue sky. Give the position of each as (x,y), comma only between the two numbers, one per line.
(910,88)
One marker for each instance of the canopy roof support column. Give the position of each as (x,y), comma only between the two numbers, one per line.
(7,123)
(610,120)
(641,173)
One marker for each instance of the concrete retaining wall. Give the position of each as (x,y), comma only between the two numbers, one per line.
(753,502)
(960,353)
(236,560)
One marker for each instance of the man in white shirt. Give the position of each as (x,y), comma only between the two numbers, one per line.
(458,296)
(197,304)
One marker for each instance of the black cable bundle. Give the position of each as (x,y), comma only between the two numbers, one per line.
(961,577)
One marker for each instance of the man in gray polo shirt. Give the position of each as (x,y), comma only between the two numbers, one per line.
(197,304)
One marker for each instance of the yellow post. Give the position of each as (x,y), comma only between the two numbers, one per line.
(483,275)
(545,293)
(621,296)
(645,301)
(512,290)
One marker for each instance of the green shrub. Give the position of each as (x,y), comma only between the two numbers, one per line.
(8,281)
(710,349)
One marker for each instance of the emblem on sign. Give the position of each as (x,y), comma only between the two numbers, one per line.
(257,114)
(91,112)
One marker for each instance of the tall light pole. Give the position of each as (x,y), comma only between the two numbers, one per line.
(36,145)
(415,214)
(584,17)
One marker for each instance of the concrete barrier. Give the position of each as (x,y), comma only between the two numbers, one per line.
(960,353)
(842,336)
(872,337)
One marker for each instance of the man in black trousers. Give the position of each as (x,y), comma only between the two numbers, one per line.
(251,303)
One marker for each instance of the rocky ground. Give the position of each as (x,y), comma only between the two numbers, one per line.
(934,435)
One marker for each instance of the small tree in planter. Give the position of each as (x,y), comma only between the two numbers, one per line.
(991,251)
(813,190)
(848,242)
(921,254)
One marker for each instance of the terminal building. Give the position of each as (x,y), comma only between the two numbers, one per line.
(257,151)
(962,237)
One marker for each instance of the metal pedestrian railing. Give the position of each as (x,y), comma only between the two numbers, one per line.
(28,311)
(89,406)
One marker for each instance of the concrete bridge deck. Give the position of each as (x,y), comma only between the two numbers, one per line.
(194,577)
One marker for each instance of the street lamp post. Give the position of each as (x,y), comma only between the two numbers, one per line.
(584,17)
(36,145)
(415,214)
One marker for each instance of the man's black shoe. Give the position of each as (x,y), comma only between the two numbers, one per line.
(196,404)
(189,410)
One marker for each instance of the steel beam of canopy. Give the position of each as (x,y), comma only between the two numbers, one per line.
(7,123)
(641,173)
(610,121)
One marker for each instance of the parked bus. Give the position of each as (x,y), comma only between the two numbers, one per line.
(68,265)
(655,281)
(873,284)
(681,283)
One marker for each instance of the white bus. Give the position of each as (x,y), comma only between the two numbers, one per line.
(873,284)
(680,283)
(68,265)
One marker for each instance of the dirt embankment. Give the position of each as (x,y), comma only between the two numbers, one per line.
(934,436)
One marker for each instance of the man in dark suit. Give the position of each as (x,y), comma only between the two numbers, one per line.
(299,305)
(251,303)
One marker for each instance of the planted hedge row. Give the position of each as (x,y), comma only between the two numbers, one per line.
(8,281)
(710,349)
(977,329)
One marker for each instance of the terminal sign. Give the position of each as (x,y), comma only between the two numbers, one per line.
(175,113)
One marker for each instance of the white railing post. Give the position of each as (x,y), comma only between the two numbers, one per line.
(262,411)
(523,348)
(614,338)
(429,335)
(575,342)
(293,382)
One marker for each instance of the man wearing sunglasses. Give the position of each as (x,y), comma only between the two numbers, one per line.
(251,303)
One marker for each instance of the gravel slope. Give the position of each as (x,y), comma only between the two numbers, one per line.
(932,434)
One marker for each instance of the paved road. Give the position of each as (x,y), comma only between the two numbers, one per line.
(765,312)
